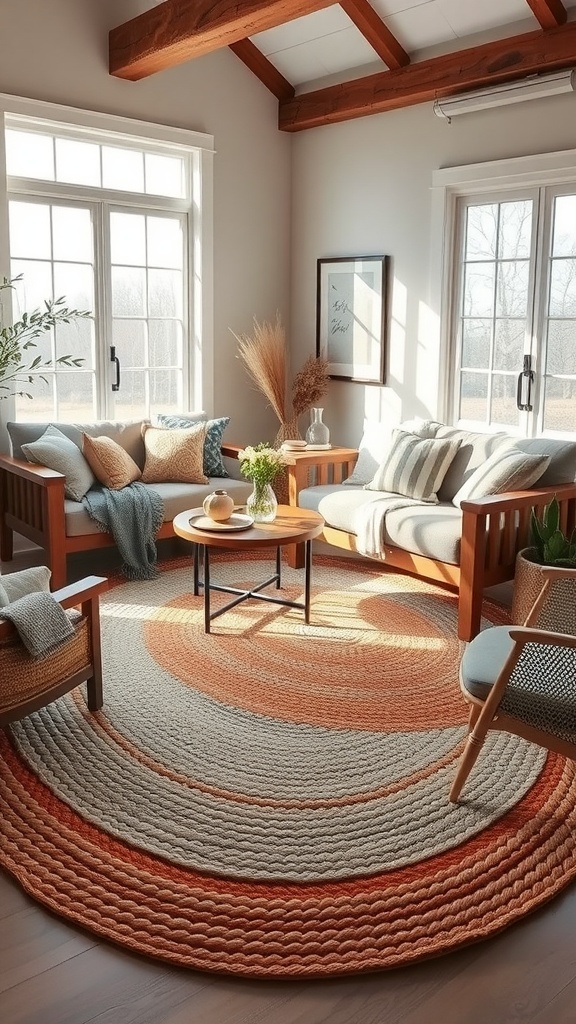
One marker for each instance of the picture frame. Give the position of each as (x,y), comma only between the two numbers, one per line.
(352,317)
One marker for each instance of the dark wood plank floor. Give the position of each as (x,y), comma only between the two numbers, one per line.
(54,973)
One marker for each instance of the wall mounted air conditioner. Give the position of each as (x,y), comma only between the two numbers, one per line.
(532,88)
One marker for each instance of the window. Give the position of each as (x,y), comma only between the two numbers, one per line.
(112,220)
(511,310)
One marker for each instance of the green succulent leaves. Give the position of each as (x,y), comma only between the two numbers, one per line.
(553,547)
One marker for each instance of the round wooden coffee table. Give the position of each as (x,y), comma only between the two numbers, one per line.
(291,526)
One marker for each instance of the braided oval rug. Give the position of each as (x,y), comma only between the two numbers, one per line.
(271,800)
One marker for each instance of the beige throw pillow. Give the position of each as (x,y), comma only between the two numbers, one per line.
(506,470)
(174,455)
(110,463)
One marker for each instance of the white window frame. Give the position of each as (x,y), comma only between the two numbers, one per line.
(497,177)
(199,206)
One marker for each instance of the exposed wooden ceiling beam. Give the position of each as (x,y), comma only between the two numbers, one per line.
(178,30)
(375,31)
(503,60)
(549,12)
(263,69)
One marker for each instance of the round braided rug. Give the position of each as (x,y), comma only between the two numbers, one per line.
(272,799)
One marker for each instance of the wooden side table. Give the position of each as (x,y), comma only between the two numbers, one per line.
(331,466)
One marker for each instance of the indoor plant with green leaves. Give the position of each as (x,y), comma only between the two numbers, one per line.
(550,546)
(16,340)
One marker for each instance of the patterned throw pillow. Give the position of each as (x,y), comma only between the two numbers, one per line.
(213,465)
(506,470)
(111,464)
(414,466)
(174,456)
(59,453)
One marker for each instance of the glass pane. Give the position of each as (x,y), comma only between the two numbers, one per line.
(561,354)
(76,397)
(29,294)
(42,406)
(509,344)
(130,401)
(504,410)
(76,339)
(75,281)
(165,175)
(563,288)
(515,230)
(128,291)
(478,290)
(128,238)
(476,337)
(30,230)
(165,391)
(29,155)
(512,289)
(559,404)
(165,242)
(77,162)
(474,397)
(129,336)
(564,226)
(165,338)
(72,228)
(165,293)
(481,228)
(122,169)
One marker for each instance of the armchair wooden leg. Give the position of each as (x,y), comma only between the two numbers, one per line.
(91,609)
(474,745)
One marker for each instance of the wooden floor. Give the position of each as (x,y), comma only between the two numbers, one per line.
(53,973)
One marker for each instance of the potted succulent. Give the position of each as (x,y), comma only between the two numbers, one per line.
(550,546)
(17,338)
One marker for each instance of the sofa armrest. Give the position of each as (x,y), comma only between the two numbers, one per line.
(32,504)
(36,474)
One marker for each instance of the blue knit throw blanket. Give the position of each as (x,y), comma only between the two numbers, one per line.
(133,515)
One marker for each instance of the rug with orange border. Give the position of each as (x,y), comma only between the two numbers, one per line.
(271,799)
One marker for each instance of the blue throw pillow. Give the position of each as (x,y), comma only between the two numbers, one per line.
(213,465)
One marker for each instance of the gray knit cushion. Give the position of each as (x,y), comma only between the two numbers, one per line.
(414,466)
(58,452)
(15,585)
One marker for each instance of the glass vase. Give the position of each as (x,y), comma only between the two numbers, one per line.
(317,433)
(262,504)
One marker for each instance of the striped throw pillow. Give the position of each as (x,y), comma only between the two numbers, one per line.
(414,466)
(506,470)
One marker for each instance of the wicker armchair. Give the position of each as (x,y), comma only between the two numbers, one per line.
(522,679)
(27,684)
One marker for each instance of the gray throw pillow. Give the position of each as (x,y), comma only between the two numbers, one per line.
(58,452)
(212,455)
(507,469)
(15,585)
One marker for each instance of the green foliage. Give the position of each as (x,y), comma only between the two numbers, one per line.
(261,463)
(553,547)
(19,337)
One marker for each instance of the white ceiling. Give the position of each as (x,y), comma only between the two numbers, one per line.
(326,46)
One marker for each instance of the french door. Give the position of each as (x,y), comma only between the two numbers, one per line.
(128,267)
(514,322)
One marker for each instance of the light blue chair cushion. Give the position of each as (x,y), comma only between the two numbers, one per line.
(484,659)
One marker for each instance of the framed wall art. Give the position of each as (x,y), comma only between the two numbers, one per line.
(351,316)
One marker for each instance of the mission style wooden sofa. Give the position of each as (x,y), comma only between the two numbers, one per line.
(490,530)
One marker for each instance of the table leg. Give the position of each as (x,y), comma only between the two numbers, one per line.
(196,569)
(307,577)
(206,589)
(278,567)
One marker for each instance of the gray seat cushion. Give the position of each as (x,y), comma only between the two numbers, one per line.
(483,660)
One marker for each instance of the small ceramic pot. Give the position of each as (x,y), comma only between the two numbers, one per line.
(218,506)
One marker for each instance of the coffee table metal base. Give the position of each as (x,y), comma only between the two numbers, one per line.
(202,554)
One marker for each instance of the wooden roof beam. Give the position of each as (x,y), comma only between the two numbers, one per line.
(376,32)
(503,60)
(260,66)
(178,30)
(548,12)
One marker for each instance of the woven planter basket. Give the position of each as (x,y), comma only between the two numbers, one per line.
(24,677)
(528,582)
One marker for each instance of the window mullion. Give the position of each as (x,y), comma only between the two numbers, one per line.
(103,310)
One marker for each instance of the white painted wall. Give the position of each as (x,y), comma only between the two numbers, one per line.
(363,187)
(56,50)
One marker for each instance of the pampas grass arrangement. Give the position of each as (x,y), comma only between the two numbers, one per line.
(265,357)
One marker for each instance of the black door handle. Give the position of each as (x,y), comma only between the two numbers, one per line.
(523,402)
(114,359)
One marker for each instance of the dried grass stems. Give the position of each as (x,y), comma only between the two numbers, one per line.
(264,356)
